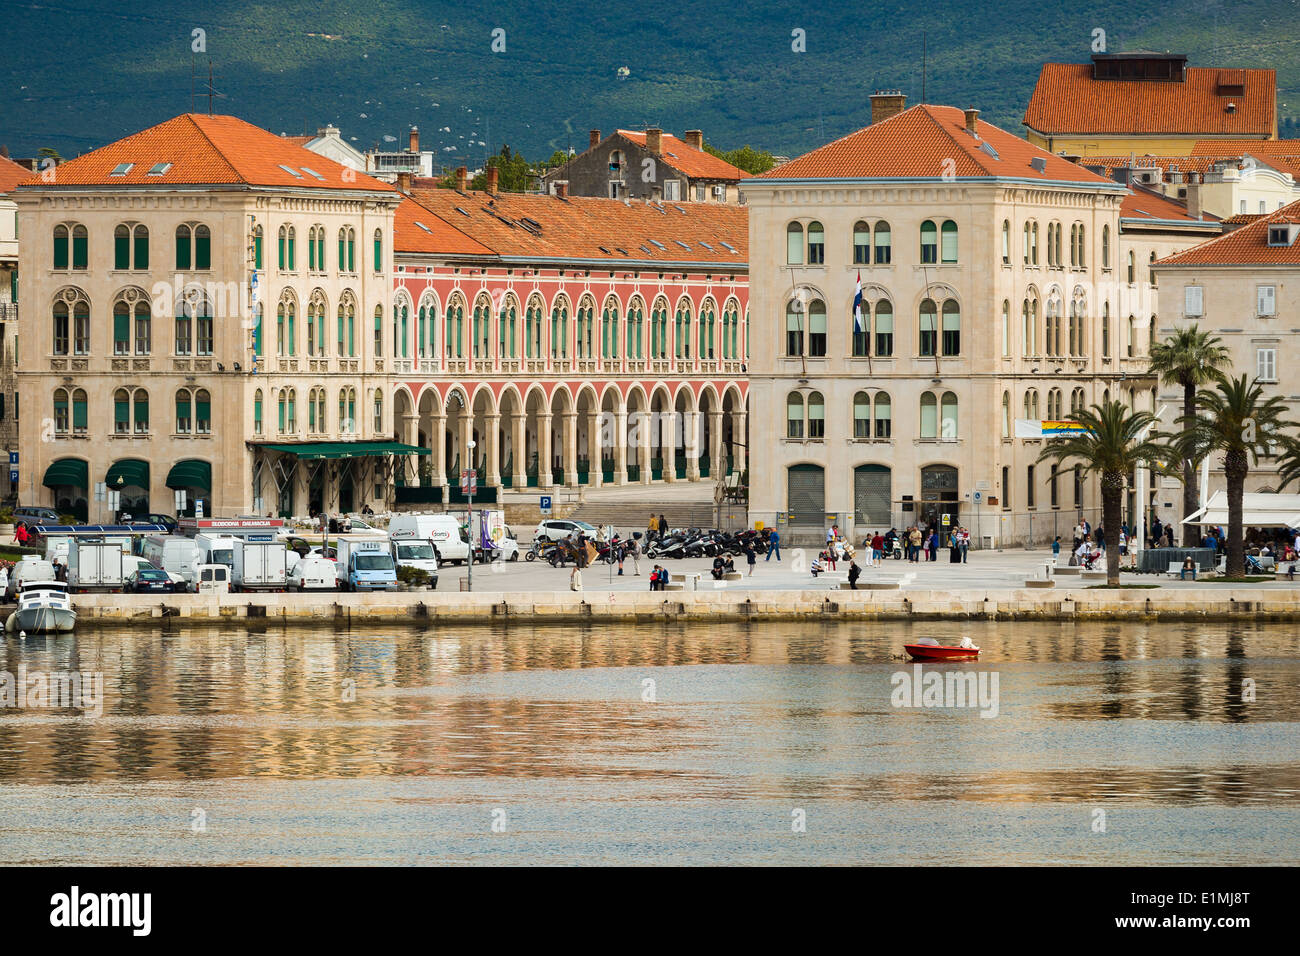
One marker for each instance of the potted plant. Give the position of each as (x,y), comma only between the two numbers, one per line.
(7,522)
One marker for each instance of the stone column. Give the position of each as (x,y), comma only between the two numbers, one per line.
(439,438)
(668,444)
(645,427)
(492,468)
(595,450)
(693,439)
(620,446)
(739,439)
(411,436)
(570,449)
(716,464)
(545,477)
(517,450)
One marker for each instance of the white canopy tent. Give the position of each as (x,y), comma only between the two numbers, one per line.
(1258,510)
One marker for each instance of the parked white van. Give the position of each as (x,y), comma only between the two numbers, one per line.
(440,530)
(30,568)
(211,579)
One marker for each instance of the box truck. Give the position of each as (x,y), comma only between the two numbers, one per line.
(367,562)
(414,553)
(443,531)
(259,566)
(94,566)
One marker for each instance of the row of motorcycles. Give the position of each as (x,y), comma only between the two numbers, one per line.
(707,543)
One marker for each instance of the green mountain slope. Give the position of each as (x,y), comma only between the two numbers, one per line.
(79,73)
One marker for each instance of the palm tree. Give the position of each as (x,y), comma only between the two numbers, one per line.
(1189,358)
(1233,418)
(1115,441)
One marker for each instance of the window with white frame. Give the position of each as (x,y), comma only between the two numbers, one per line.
(1193,301)
(1266,299)
(1266,364)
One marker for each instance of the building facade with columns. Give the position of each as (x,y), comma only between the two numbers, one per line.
(210,314)
(996,288)
(576,342)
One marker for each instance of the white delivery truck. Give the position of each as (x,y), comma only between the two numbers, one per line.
(314,573)
(366,562)
(413,553)
(492,541)
(216,549)
(443,531)
(259,566)
(94,566)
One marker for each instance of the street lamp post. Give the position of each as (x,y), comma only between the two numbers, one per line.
(469,516)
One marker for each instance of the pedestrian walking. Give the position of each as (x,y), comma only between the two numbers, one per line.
(751,558)
(651,527)
(634,552)
(774,546)
(854,573)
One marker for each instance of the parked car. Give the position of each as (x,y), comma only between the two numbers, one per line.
(149,580)
(167,521)
(557,529)
(31,515)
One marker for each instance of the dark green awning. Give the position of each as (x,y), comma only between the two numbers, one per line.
(132,471)
(346,449)
(190,473)
(67,472)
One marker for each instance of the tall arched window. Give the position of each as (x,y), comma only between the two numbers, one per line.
(378,407)
(948,251)
(1006,242)
(121,412)
(1006,328)
(884,415)
(928,328)
(1132,267)
(861,415)
(293,411)
(884,254)
(793,327)
(507,333)
(1131,336)
(682,331)
(816,244)
(455,330)
(948,416)
(184,412)
(609,330)
(929,415)
(1105,247)
(1006,414)
(794,415)
(636,330)
(481,328)
(202,412)
(257,412)
(951,328)
(794,244)
(861,244)
(884,328)
(560,329)
(60,411)
(659,330)
(816,415)
(379,331)
(1151,269)
(322,425)
(929,243)
(817,328)
(141,417)
(862,330)
(707,331)
(379,250)
(1105,330)
(131,247)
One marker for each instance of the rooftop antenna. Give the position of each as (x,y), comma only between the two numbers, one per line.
(209,87)
(923,52)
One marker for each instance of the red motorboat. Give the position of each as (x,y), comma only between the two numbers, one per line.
(928,649)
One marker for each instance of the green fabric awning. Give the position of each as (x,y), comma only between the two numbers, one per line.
(67,472)
(132,471)
(190,473)
(346,449)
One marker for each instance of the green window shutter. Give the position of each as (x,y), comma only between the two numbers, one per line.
(352,340)
(203,411)
(79,414)
(121,327)
(183,251)
(421,324)
(379,255)
(257,337)
(257,252)
(141,252)
(60,405)
(203,252)
(122,412)
(311,255)
(121,252)
(352,256)
(182,409)
(293,259)
(292,337)
(257,411)
(142,412)
(80,252)
(341,257)
(60,252)
(281,241)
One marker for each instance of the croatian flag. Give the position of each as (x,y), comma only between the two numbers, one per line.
(857,308)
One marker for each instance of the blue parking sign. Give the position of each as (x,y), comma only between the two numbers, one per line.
(546,504)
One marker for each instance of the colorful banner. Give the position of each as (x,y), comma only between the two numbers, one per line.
(1034,428)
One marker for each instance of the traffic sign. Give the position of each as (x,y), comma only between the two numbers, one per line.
(546,504)
(978,497)
(13,458)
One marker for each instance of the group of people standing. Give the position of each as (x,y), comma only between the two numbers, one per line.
(917,542)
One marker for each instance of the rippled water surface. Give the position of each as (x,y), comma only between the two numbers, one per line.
(642,744)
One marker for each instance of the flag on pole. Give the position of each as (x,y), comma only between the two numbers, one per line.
(857,308)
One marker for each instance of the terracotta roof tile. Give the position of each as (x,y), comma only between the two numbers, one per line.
(210,150)
(1238,147)
(1246,245)
(11,174)
(1145,204)
(695,163)
(919,143)
(419,230)
(534,226)
(1067,99)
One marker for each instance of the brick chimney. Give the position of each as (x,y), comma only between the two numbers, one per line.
(562,190)
(492,174)
(654,140)
(886,103)
(414,146)
(404,181)
(971,116)
(462,178)
(593,139)
(695,139)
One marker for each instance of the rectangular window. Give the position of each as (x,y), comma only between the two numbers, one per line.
(1266,364)
(122,251)
(1053,488)
(60,252)
(79,416)
(122,416)
(183,249)
(205,336)
(141,414)
(1006,488)
(257,416)
(1266,299)
(183,335)
(202,249)
(121,333)
(672,190)
(1029,487)
(203,417)
(80,252)
(183,414)
(1193,301)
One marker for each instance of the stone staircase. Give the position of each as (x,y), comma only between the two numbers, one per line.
(626,515)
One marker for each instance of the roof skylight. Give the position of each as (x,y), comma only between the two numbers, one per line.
(311,172)
(157,169)
(291,171)
(121,169)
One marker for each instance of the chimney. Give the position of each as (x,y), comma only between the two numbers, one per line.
(562,190)
(593,139)
(1193,199)
(695,139)
(971,116)
(492,174)
(415,140)
(404,181)
(462,178)
(886,103)
(654,140)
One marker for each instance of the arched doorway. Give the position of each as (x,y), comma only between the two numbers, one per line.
(939,495)
(872,498)
(130,477)
(806,496)
(68,480)
(194,477)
